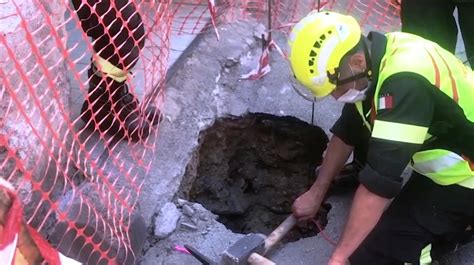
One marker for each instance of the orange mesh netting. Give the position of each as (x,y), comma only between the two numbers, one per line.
(81,89)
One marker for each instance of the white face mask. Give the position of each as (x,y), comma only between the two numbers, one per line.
(353,95)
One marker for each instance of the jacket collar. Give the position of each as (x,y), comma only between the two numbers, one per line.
(377,49)
(377,52)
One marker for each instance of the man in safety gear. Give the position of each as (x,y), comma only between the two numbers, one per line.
(410,101)
(118,36)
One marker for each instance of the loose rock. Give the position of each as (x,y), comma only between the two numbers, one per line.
(181,202)
(190,226)
(167,220)
(231,61)
(188,211)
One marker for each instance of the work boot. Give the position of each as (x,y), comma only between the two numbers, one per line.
(113,110)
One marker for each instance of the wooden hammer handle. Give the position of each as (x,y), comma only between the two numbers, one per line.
(279,233)
(256,259)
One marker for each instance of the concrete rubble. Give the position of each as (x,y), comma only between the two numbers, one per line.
(167,220)
(199,229)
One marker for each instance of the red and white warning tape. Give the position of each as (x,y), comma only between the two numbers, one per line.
(263,66)
(212,9)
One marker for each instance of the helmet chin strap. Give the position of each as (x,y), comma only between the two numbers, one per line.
(352,78)
(353,83)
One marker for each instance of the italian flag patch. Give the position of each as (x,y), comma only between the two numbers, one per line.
(385,102)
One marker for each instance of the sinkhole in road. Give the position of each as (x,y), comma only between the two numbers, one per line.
(248,170)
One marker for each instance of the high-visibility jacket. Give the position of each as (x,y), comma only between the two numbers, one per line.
(406,53)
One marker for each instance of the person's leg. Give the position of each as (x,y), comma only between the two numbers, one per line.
(445,211)
(432,20)
(118,36)
(466,23)
(397,238)
(421,216)
(116,29)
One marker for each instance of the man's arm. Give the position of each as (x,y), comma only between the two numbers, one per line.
(307,205)
(347,131)
(366,210)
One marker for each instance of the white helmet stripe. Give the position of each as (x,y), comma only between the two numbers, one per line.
(326,51)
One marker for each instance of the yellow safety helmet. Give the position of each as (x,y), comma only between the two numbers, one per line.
(317,44)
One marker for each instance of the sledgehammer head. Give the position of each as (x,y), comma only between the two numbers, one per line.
(239,252)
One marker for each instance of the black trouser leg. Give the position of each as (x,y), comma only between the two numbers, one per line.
(116,28)
(432,20)
(423,213)
(466,23)
(118,35)
(397,238)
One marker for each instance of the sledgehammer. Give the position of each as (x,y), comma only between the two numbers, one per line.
(252,247)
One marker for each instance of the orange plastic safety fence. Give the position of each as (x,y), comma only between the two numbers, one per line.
(81,89)
(192,16)
(81,92)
